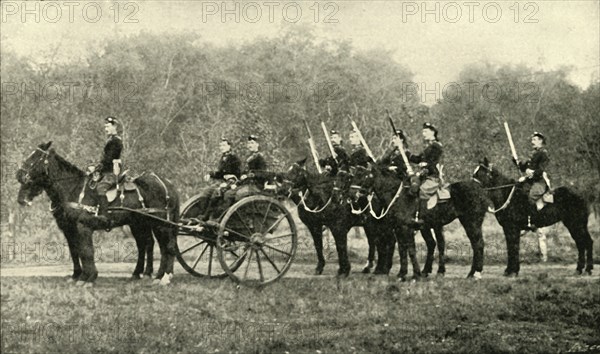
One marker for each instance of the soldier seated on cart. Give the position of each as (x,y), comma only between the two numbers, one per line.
(224,177)
(253,177)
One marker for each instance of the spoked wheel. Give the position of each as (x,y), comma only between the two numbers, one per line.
(262,233)
(198,255)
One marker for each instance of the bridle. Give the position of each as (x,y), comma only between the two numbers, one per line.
(27,171)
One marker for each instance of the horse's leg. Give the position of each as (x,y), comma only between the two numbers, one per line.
(577,235)
(149,256)
(141,232)
(473,230)
(589,247)
(430,242)
(72,241)
(167,241)
(86,253)
(316,231)
(383,240)
(441,245)
(374,241)
(512,236)
(402,251)
(340,235)
(412,253)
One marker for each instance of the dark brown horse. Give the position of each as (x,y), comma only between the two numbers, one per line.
(468,203)
(319,205)
(70,195)
(512,208)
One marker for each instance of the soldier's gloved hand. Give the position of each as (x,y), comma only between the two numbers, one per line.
(392,168)
(206,178)
(423,164)
(522,179)
(328,168)
(243,177)
(515,161)
(529,172)
(251,175)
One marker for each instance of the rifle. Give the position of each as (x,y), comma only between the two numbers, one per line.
(313,149)
(362,140)
(401,148)
(511,143)
(329,144)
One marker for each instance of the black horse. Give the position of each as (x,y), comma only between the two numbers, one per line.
(320,205)
(468,202)
(512,209)
(381,196)
(69,190)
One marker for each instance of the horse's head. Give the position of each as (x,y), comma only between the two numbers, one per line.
(33,174)
(485,173)
(296,176)
(361,181)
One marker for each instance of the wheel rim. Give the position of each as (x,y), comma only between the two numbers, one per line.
(264,233)
(198,256)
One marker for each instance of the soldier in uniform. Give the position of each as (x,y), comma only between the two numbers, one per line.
(393,158)
(358,156)
(226,174)
(428,162)
(254,175)
(111,155)
(341,161)
(535,181)
(535,167)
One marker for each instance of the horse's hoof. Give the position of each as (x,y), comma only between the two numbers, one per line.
(135,277)
(70,280)
(366,270)
(476,276)
(578,272)
(588,272)
(147,277)
(155,281)
(79,283)
(402,278)
(318,271)
(511,275)
(440,275)
(88,285)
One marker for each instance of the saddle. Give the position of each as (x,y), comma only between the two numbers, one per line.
(125,183)
(442,195)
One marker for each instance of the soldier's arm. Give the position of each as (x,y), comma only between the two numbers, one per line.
(111,152)
(541,162)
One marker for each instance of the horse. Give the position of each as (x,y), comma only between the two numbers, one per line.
(69,190)
(318,205)
(468,202)
(512,209)
(381,196)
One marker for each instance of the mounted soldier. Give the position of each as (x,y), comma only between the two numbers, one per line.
(359,155)
(393,158)
(109,167)
(340,162)
(428,162)
(535,178)
(227,173)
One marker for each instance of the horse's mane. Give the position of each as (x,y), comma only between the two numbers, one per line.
(68,165)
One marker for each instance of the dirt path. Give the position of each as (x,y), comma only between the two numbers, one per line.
(305,271)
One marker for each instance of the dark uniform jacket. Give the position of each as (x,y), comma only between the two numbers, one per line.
(342,159)
(392,157)
(538,163)
(359,157)
(112,151)
(228,165)
(256,165)
(432,156)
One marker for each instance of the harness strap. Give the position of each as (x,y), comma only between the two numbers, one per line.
(512,191)
(388,208)
(167,197)
(303,203)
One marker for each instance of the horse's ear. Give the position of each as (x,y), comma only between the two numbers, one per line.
(485,162)
(45,146)
(301,162)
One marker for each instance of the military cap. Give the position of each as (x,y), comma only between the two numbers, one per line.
(539,135)
(225,140)
(430,127)
(252,137)
(399,133)
(333,131)
(111,120)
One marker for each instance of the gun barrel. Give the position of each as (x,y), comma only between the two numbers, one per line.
(329,144)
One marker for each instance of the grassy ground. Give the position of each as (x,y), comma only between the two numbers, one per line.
(543,311)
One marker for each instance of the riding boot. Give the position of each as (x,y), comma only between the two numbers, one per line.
(105,222)
(418,221)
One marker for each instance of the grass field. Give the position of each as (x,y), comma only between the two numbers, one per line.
(545,309)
